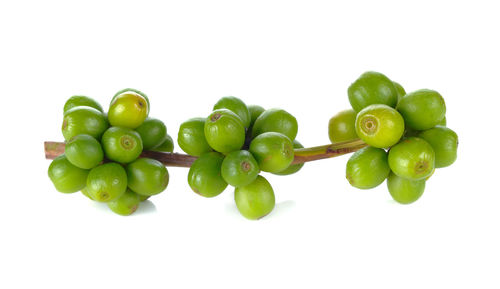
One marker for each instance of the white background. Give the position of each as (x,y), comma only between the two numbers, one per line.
(297,55)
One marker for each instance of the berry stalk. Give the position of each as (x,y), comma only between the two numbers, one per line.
(54,149)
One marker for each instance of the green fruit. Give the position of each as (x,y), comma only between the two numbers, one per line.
(191,137)
(292,169)
(276,120)
(66,177)
(224,131)
(237,106)
(84,151)
(126,204)
(342,126)
(205,177)
(413,158)
(422,109)
(107,182)
(379,125)
(442,122)
(80,100)
(121,144)
(405,191)
(153,132)
(83,120)
(85,192)
(239,168)
(147,176)
(372,88)
(255,200)
(167,146)
(444,142)
(132,90)
(367,168)
(255,112)
(400,90)
(273,151)
(128,109)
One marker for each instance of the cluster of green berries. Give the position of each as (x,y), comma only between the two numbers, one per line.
(406,134)
(234,144)
(102,151)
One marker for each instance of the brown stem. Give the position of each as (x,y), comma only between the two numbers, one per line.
(54,149)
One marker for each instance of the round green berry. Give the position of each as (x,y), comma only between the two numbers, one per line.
(255,112)
(342,126)
(273,151)
(107,182)
(85,192)
(128,109)
(80,100)
(224,131)
(367,168)
(205,177)
(400,90)
(444,142)
(83,120)
(66,177)
(191,137)
(413,158)
(379,125)
(405,191)
(276,120)
(133,90)
(239,168)
(256,199)
(153,132)
(84,151)
(235,105)
(126,204)
(372,88)
(121,144)
(422,109)
(147,176)
(167,146)
(292,169)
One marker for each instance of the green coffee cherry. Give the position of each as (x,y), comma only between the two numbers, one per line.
(255,200)
(405,191)
(235,105)
(444,142)
(80,100)
(255,112)
(367,168)
(422,109)
(84,151)
(413,158)
(205,177)
(372,88)
(85,192)
(167,146)
(191,137)
(442,122)
(147,176)
(379,125)
(239,168)
(342,126)
(400,90)
(66,177)
(107,182)
(128,110)
(224,131)
(292,169)
(273,151)
(153,132)
(83,120)
(121,144)
(276,120)
(125,90)
(126,204)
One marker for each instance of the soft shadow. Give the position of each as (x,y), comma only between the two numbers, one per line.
(146,207)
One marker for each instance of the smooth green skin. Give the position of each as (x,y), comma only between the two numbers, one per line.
(147,177)
(342,126)
(276,120)
(126,204)
(167,146)
(85,192)
(205,176)
(255,112)
(413,158)
(444,142)
(107,182)
(442,122)
(81,100)
(255,200)
(128,109)
(400,90)
(367,168)
(132,90)
(405,191)
(422,109)
(292,169)
(273,151)
(83,120)
(121,144)
(66,177)
(237,106)
(224,131)
(239,168)
(191,137)
(84,151)
(153,132)
(379,125)
(372,88)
